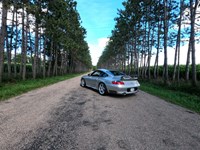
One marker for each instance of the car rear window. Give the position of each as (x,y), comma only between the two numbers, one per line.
(116,73)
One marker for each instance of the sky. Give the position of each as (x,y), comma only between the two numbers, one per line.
(97,18)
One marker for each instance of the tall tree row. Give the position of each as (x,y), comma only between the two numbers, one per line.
(40,38)
(147,28)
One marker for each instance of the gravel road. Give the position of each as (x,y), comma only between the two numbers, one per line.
(65,116)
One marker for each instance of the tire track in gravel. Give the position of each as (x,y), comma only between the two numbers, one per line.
(61,130)
(22,117)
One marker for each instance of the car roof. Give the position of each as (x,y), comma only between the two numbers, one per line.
(107,71)
(103,70)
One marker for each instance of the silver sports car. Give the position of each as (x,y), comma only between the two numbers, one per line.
(108,81)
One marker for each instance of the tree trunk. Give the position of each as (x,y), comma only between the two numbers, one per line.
(157,53)
(131,62)
(136,62)
(39,58)
(128,59)
(62,63)
(124,62)
(187,66)
(165,69)
(55,68)
(192,35)
(144,66)
(2,38)
(23,59)
(149,51)
(16,42)
(50,60)
(25,47)
(36,51)
(177,50)
(8,44)
(158,46)
(44,59)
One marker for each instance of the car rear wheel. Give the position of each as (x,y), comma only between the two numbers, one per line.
(102,89)
(83,84)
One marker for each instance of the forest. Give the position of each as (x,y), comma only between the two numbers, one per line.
(41,38)
(147,28)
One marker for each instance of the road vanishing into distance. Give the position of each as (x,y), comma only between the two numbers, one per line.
(65,116)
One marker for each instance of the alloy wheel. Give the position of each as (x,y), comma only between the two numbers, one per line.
(83,83)
(102,89)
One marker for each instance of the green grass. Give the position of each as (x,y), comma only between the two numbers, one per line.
(184,99)
(14,88)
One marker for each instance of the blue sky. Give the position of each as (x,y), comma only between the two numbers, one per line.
(97,18)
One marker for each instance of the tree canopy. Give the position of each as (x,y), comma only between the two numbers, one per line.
(49,33)
(146,28)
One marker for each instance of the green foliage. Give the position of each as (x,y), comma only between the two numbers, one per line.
(146,28)
(64,29)
(182,71)
(198,71)
(185,95)
(28,67)
(94,67)
(55,33)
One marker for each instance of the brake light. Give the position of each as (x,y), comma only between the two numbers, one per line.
(118,82)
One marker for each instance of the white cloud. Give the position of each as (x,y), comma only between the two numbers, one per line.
(97,48)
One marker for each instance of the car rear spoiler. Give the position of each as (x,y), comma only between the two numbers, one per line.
(128,78)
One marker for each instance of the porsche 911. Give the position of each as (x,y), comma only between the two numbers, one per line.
(110,81)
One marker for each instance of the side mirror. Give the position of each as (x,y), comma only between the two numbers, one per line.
(89,74)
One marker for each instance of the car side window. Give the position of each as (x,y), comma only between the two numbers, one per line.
(96,74)
(103,74)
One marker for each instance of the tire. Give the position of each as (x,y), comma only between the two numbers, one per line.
(102,89)
(83,83)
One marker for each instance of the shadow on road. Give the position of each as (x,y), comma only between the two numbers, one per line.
(113,95)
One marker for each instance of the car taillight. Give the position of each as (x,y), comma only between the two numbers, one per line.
(118,82)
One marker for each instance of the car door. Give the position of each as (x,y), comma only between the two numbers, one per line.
(101,78)
(94,78)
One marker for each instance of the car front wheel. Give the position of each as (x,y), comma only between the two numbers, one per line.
(83,84)
(102,89)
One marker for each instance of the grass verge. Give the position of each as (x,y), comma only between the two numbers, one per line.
(11,89)
(180,98)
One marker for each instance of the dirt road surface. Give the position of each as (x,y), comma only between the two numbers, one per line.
(65,116)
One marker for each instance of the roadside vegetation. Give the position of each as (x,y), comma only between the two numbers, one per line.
(183,94)
(17,87)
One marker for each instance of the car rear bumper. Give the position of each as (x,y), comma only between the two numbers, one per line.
(122,90)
